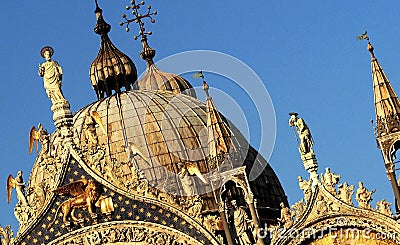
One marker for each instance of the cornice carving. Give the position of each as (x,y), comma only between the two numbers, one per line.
(388,124)
(127,232)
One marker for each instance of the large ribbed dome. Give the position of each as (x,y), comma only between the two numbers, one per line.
(169,129)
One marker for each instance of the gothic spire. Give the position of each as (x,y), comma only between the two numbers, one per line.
(387,104)
(219,135)
(387,109)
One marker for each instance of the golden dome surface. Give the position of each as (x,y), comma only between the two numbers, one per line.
(155,132)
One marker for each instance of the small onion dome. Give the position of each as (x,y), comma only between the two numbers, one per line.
(111,69)
(154,79)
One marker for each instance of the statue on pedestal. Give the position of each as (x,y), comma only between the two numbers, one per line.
(306,141)
(52,80)
(52,76)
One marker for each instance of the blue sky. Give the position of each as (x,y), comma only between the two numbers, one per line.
(305,52)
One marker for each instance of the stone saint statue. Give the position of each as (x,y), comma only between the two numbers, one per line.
(89,126)
(286,218)
(240,219)
(306,141)
(330,180)
(305,186)
(364,197)
(383,207)
(186,180)
(345,192)
(52,76)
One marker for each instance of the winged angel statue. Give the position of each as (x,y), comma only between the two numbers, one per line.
(19,185)
(38,135)
(84,194)
(6,235)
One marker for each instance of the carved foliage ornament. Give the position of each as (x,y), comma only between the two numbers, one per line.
(120,232)
(387,125)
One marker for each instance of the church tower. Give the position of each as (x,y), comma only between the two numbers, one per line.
(387,110)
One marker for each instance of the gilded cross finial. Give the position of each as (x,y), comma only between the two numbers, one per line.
(138,18)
